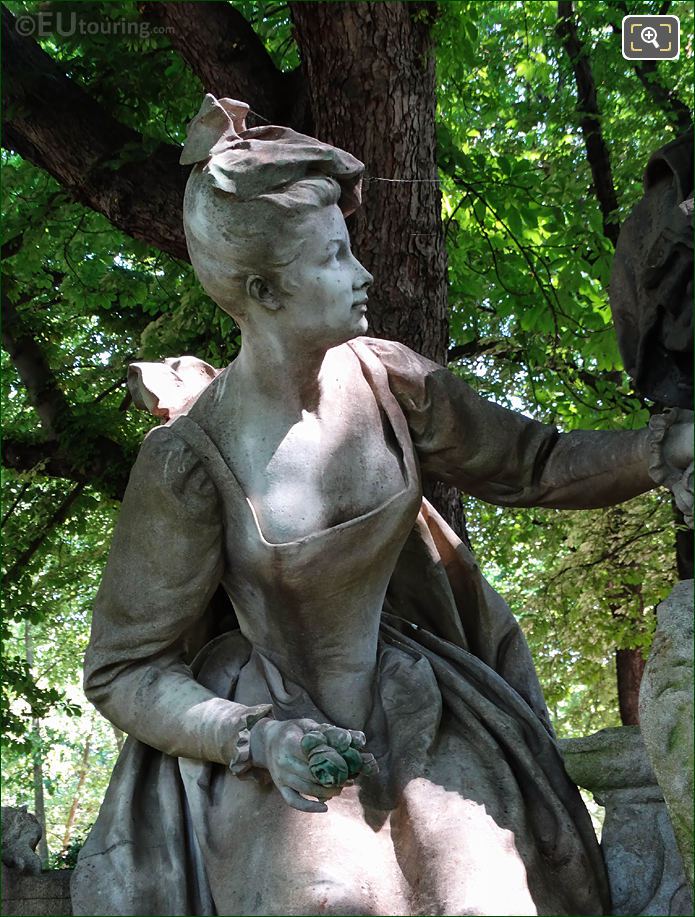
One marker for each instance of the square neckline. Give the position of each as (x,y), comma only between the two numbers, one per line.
(385,401)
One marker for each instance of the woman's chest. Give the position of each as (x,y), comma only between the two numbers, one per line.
(321,471)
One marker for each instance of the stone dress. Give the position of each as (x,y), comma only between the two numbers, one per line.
(471,812)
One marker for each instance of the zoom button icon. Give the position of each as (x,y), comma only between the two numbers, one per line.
(651,37)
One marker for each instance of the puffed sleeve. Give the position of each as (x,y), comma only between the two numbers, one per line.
(504,457)
(165,562)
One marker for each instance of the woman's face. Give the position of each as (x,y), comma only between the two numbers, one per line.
(325,288)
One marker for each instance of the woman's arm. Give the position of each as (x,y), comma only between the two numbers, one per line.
(164,565)
(504,457)
(165,562)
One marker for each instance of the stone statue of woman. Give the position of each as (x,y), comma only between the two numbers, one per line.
(294,479)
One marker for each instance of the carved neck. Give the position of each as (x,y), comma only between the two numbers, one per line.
(280,370)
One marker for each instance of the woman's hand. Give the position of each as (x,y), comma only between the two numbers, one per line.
(304,758)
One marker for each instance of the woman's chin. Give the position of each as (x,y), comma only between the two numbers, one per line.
(334,337)
(359,328)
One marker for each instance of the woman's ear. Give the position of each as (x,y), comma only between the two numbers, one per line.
(259,290)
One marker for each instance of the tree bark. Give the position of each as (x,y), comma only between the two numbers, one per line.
(371,80)
(224,52)
(370,73)
(629,666)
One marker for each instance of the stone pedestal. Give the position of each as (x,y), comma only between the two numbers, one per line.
(666,713)
(645,870)
(46,894)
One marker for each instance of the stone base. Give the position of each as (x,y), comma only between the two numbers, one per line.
(47,894)
(666,714)
(645,869)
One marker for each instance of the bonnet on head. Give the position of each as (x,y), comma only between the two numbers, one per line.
(250,163)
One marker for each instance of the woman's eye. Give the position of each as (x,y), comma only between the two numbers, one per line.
(337,252)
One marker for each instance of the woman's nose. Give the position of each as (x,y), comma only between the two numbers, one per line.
(363,278)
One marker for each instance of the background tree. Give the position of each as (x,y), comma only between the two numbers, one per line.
(520,123)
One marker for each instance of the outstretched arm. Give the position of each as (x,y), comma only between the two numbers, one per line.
(504,457)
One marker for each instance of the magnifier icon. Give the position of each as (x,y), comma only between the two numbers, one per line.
(648,36)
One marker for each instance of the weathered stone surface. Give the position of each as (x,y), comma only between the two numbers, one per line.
(21,832)
(610,759)
(651,290)
(47,894)
(644,866)
(666,713)
(294,480)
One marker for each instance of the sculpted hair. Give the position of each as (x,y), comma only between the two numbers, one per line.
(229,239)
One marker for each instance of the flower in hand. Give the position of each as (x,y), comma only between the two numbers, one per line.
(336,756)
(304,759)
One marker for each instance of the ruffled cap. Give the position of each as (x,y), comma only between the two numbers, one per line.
(249,163)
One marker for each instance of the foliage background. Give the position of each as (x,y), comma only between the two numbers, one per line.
(530,327)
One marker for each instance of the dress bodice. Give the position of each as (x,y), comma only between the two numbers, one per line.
(313,605)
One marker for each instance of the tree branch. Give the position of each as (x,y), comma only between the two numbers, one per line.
(15,503)
(14,140)
(12,246)
(646,72)
(477,348)
(607,555)
(33,368)
(224,52)
(664,98)
(58,517)
(54,123)
(505,350)
(590,123)
(106,470)
(68,449)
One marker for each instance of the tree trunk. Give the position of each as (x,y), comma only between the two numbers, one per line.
(629,666)
(370,73)
(36,758)
(81,777)
(684,545)
(371,79)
